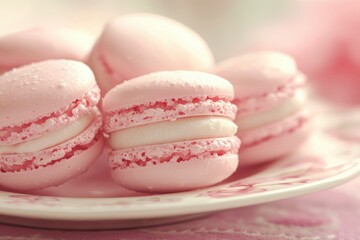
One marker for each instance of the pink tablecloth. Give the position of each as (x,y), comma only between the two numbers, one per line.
(332,214)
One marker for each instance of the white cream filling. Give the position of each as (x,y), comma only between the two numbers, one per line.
(53,138)
(273,114)
(173,131)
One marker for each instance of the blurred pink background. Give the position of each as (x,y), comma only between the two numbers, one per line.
(225,24)
(323,35)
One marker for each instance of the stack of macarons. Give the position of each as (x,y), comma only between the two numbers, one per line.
(171,118)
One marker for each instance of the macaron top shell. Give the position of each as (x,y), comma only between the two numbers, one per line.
(40,89)
(166,85)
(257,73)
(137,44)
(38,44)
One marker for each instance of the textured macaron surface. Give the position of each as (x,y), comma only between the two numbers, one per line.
(39,97)
(167,85)
(177,152)
(167,96)
(39,44)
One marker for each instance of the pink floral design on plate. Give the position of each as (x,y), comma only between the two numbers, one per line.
(141,201)
(289,172)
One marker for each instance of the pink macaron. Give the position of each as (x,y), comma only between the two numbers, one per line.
(137,44)
(50,127)
(270,95)
(171,131)
(39,44)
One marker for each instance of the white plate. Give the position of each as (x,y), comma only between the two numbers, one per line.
(324,162)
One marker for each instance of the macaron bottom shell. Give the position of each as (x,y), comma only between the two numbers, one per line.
(174,167)
(275,145)
(54,174)
(175,177)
